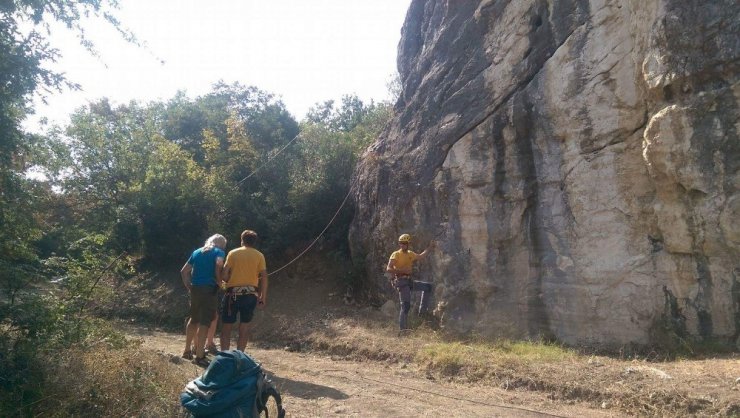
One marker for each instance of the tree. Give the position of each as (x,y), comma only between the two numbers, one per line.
(25,52)
(172,203)
(130,183)
(349,114)
(258,127)
(30,321)
(266,120)
(100,163)
(331,141)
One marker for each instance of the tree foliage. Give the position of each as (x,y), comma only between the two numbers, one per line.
(135,185)
(25,51)
(332,138)
(33,321)
(144,174)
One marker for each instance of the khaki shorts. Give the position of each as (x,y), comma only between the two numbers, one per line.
(203,304)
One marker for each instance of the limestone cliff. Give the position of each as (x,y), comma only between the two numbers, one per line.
(577,162)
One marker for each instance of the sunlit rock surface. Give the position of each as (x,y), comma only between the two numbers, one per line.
(577,162)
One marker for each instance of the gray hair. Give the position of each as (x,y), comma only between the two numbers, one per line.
(216,240)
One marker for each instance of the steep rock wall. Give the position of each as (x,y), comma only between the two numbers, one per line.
(576,161)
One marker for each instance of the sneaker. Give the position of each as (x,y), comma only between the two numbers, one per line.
(187,355)
(212,349)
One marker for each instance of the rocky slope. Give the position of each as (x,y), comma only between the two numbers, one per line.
(577,162)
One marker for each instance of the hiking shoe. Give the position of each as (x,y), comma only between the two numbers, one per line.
(187,355)
(201,361)
(212,349)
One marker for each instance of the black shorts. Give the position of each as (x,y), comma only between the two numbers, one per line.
(243,305)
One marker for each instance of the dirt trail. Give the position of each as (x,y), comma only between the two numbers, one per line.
(318,386)
(347,360)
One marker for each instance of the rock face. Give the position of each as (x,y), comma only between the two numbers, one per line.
(576,161)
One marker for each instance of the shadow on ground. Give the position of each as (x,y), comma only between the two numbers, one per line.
(305,390)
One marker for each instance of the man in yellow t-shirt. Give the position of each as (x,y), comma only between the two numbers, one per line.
(245,275)
(401,265)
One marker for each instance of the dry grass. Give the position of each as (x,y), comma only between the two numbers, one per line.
(450,357)
(103,381)
(632,386)
(159,300)
(310,316)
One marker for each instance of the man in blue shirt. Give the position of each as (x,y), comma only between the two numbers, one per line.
(202,275)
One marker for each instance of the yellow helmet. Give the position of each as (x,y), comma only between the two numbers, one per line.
(405,238)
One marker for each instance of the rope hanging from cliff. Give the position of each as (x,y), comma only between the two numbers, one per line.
(268,161)
(320,234)
(344,201)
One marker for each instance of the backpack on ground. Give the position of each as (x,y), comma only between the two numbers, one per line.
(233,385)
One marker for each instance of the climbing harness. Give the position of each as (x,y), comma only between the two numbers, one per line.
(242,290)
(233,292)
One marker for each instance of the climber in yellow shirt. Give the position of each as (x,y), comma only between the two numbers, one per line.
(245,274)
(401,265)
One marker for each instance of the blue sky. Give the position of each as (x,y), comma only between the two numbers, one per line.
(303,51)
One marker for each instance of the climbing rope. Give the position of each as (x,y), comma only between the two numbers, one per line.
(268,161)
(327,225)
(320,234)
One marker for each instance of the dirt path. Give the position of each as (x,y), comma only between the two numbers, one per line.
(350,362)
(318,386)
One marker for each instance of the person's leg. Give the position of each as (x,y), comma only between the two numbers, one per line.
(189,334)
(200,341)
(210,344)
(196,307)
(404,295)
(244,335)
(247,305)
(208,306)
(214,324)
(228,318)
(226,336)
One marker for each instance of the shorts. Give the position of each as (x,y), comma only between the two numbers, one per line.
(243,305)
(203,304)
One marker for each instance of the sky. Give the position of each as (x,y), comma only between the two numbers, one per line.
(303,51)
